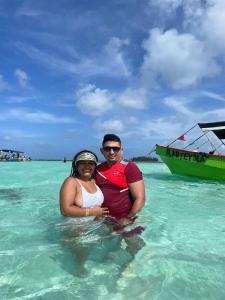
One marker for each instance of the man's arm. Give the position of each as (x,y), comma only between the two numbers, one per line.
(137,191)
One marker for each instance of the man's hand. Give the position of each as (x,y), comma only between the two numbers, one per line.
(127,221)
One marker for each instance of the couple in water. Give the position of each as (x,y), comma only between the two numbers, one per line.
(113,189)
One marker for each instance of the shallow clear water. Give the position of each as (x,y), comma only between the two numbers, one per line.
(179,255)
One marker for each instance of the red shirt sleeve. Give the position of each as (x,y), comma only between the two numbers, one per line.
(133,173)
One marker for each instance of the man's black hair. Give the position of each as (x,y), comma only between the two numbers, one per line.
(111,137)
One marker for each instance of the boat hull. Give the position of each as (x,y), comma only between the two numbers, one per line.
(194,164)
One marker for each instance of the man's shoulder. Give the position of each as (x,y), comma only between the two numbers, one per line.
(129,163)
(132,171)
(126,161)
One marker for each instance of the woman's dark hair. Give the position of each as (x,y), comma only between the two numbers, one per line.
(74,171)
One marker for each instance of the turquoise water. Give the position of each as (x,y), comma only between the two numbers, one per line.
(180,254)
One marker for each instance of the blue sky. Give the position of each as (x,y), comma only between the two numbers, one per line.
(71,71)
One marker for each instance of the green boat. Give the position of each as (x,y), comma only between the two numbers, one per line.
(194,162)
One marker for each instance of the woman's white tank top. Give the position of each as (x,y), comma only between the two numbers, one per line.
(91,199)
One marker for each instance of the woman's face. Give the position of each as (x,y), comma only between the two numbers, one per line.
(86,168)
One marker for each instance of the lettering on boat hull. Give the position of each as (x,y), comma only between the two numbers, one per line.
(199,157)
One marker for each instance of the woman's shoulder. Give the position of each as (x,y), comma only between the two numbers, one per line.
(70,180)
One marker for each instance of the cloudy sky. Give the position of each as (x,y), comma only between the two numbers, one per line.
(71,71)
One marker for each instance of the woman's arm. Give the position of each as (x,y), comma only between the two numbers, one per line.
(68,207)
(68,194)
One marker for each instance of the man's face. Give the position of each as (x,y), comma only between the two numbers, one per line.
(112,151)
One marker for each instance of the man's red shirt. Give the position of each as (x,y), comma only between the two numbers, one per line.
(113,181)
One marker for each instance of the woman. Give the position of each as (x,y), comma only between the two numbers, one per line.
(79,195)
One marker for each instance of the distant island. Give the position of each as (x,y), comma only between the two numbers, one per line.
(135,159)
(145,159)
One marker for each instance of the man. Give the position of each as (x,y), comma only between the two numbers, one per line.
(121,182)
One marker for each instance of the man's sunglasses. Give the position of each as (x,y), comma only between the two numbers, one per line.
(108,149)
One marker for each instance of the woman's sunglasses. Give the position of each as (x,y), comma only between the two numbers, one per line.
(108,149)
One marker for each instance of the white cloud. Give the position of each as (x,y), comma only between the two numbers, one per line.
(213,24)
(205,19)
(213,115)
(178,104)
(6,137)
(19,99)
(178,59)
(112,57)
(33,116)
(164,130)
(117,125)
(191,9)
(182,117)
(213,96)
(50,61)
(28,9)
(110,126)
(131,120)
(12,134)
(161,128)
(22,77)
(186,114)
(29,12)
(133,98)
(3,84)
(109,61)
(94,101)
(168,6)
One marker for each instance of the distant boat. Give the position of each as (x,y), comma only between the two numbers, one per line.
(8,155)
(193,162)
